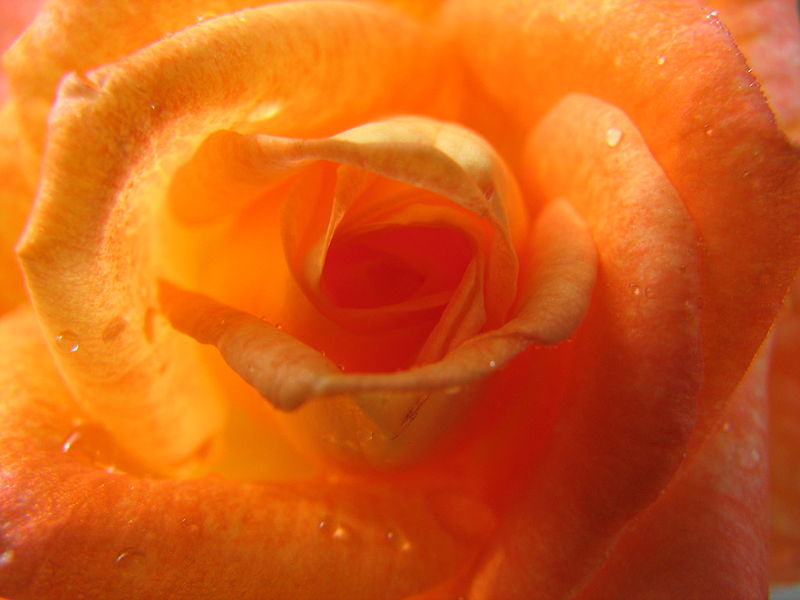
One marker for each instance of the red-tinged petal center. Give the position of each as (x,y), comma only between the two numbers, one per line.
(398,276)
(395,264)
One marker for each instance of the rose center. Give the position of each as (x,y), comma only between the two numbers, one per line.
(392,265)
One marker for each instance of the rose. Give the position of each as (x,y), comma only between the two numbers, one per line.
(608,438)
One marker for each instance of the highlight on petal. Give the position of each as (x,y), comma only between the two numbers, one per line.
(118,133)
(73,529)
(400,224)
(599,441)
(675,71)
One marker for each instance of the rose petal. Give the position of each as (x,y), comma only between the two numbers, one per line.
(89,263)
(64,38)
(784,420)
(14,17)
(288,373)
(676,72)
(597,444)
(16,196)
(455,166)
(705,536)
(768,33)
(142,538)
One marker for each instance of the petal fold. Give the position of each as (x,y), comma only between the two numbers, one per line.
(608,423)
(116,136)
(675,71)
(142,538)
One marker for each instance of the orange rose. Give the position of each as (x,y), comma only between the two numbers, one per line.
(500,270)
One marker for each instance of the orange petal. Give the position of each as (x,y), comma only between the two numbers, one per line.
(87,252)
(555,298)
(608,417)
(768,33)
(784,448)
(71,36)
(71,529)
(705,536)
(16,197)
(14,17)
(674,70)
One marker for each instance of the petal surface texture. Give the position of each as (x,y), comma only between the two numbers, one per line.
(704,537)
(118,132)
(145,538)
(605,439)
(453,183)
(784,448)
(675,71)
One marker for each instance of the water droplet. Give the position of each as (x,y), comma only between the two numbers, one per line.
(335,531)
(93,444)
(242,19)
(492,364)
(613,137)
(710,131)
(71,440)
(6,558)
(648,292)
(126,558)
(114,328)
(635,289)
(712,14)
(398,540)
(204,16)
(190,527)
(68,341)
(661,60)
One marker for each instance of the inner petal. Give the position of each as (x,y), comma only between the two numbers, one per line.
(394,264)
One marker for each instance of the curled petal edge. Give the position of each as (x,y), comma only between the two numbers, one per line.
(288,373)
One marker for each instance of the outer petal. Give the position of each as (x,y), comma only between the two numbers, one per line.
(705,536)
(73,36)
(607,428)
(15,194)
(14,17)
(768,33)
(73,530)
(675,71)
(784,449)
(16,197)
(88,251)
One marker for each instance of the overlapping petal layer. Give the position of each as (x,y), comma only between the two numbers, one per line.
(705,536)
(768,34)
(603,441)
(72,529)
(784,420)
(674,70)
(119,131)
(568,445)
